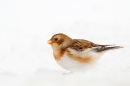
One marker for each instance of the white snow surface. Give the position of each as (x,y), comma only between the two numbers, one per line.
(25,26)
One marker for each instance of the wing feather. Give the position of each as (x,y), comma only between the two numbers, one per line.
(81,44)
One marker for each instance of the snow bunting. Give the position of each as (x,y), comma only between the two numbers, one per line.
(76,55)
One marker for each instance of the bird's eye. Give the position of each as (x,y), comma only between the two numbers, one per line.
(55,39)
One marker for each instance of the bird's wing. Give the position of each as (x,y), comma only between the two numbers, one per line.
(81,44)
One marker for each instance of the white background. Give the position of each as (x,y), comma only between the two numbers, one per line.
(25,26)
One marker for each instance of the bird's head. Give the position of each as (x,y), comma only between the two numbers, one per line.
(60,41)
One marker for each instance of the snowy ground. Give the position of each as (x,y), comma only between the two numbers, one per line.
(26,25)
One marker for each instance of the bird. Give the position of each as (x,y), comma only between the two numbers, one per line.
(77,55)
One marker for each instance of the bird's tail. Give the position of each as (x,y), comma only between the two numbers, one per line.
(102,48)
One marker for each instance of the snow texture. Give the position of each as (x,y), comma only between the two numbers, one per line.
(25,26)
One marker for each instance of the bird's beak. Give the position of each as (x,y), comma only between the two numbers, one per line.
(49,42)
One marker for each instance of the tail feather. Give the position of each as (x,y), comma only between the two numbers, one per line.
(102,48)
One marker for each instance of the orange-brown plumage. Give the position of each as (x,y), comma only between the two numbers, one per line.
(87,59)
(76,54)
(59,55)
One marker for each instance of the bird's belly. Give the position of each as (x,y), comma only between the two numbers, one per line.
(75,65)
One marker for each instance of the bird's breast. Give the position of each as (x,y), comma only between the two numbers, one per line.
(58,54)
(77,62)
